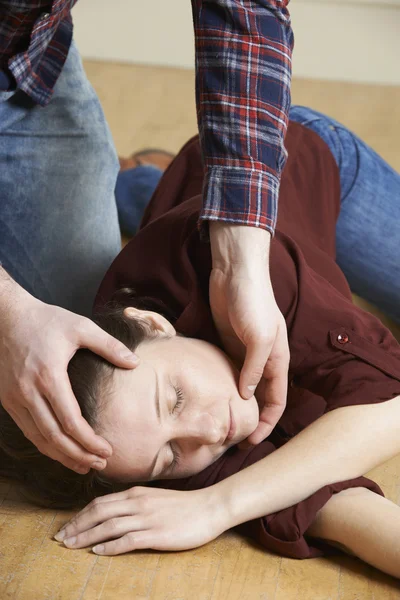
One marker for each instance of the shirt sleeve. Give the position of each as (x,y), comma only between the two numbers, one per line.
(339,351)
(283,532)
(16,23)
(243,77)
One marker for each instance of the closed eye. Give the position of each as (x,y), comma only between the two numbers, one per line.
(176,461)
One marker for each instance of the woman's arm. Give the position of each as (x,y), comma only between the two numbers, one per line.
(340,445)
(363,524)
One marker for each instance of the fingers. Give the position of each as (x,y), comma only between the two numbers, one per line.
(134,540)
(109,529)
(78,521)
(60,396)
(272,391)
(94,338)
(127,529)
(74,458)
(257,353)
(99,513)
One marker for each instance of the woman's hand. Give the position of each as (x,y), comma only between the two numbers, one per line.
(37,342)
(249,322)
(146,517)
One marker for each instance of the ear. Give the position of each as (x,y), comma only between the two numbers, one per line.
(156,320)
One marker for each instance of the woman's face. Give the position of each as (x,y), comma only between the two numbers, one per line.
(195,386)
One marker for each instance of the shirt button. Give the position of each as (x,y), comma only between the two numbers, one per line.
(342,338)
(45,16)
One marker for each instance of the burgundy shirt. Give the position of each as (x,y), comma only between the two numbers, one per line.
(340,354)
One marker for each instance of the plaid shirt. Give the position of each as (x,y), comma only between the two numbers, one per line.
(243,74)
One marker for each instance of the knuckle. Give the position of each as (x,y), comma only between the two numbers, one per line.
(43,449)
(25,391)
(257,371)
(45,377)
(113,344)
(264,339)
(95,504)
(130,537)
(278,356)
(143,503)
(69,424)
(113,524)
(82,326)
(53,437)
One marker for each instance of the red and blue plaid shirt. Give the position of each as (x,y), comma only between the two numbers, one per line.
(243,76)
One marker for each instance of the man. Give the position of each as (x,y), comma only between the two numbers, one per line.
(59,225)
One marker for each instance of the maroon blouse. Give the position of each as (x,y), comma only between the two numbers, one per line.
(340,354)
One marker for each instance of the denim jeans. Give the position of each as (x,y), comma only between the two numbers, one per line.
(58,167)
(368,228)
(59,229)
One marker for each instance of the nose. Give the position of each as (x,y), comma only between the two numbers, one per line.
(201,427)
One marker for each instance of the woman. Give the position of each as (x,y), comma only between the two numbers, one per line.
(175,421)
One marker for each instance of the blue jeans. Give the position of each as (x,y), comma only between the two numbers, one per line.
(59,229)
(368,228)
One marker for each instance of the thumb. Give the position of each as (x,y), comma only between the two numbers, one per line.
(257,354)
(100,342)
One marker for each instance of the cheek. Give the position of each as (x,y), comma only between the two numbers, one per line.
(197,462)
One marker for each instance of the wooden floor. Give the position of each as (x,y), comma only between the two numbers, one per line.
(154,107)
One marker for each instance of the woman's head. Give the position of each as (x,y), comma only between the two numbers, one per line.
(192,382)
(175,404)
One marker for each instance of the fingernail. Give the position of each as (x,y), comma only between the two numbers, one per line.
(104,453)
(251,388)
(127,355)
(70,541)
(98,465)
(98,549)
(81,470)
(60,535)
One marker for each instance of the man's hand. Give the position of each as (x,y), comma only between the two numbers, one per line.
(248,320)
(37,341)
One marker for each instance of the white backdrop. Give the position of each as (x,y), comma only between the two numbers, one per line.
(350,40)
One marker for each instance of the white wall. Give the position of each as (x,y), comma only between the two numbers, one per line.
(350,40)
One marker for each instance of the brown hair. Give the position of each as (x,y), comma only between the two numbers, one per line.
(46,481)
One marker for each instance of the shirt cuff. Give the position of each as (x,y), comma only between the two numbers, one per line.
(239,195)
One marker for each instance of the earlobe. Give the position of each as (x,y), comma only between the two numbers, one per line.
(156,320)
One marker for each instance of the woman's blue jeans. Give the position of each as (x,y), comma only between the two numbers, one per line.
(59,228)
(368,228)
